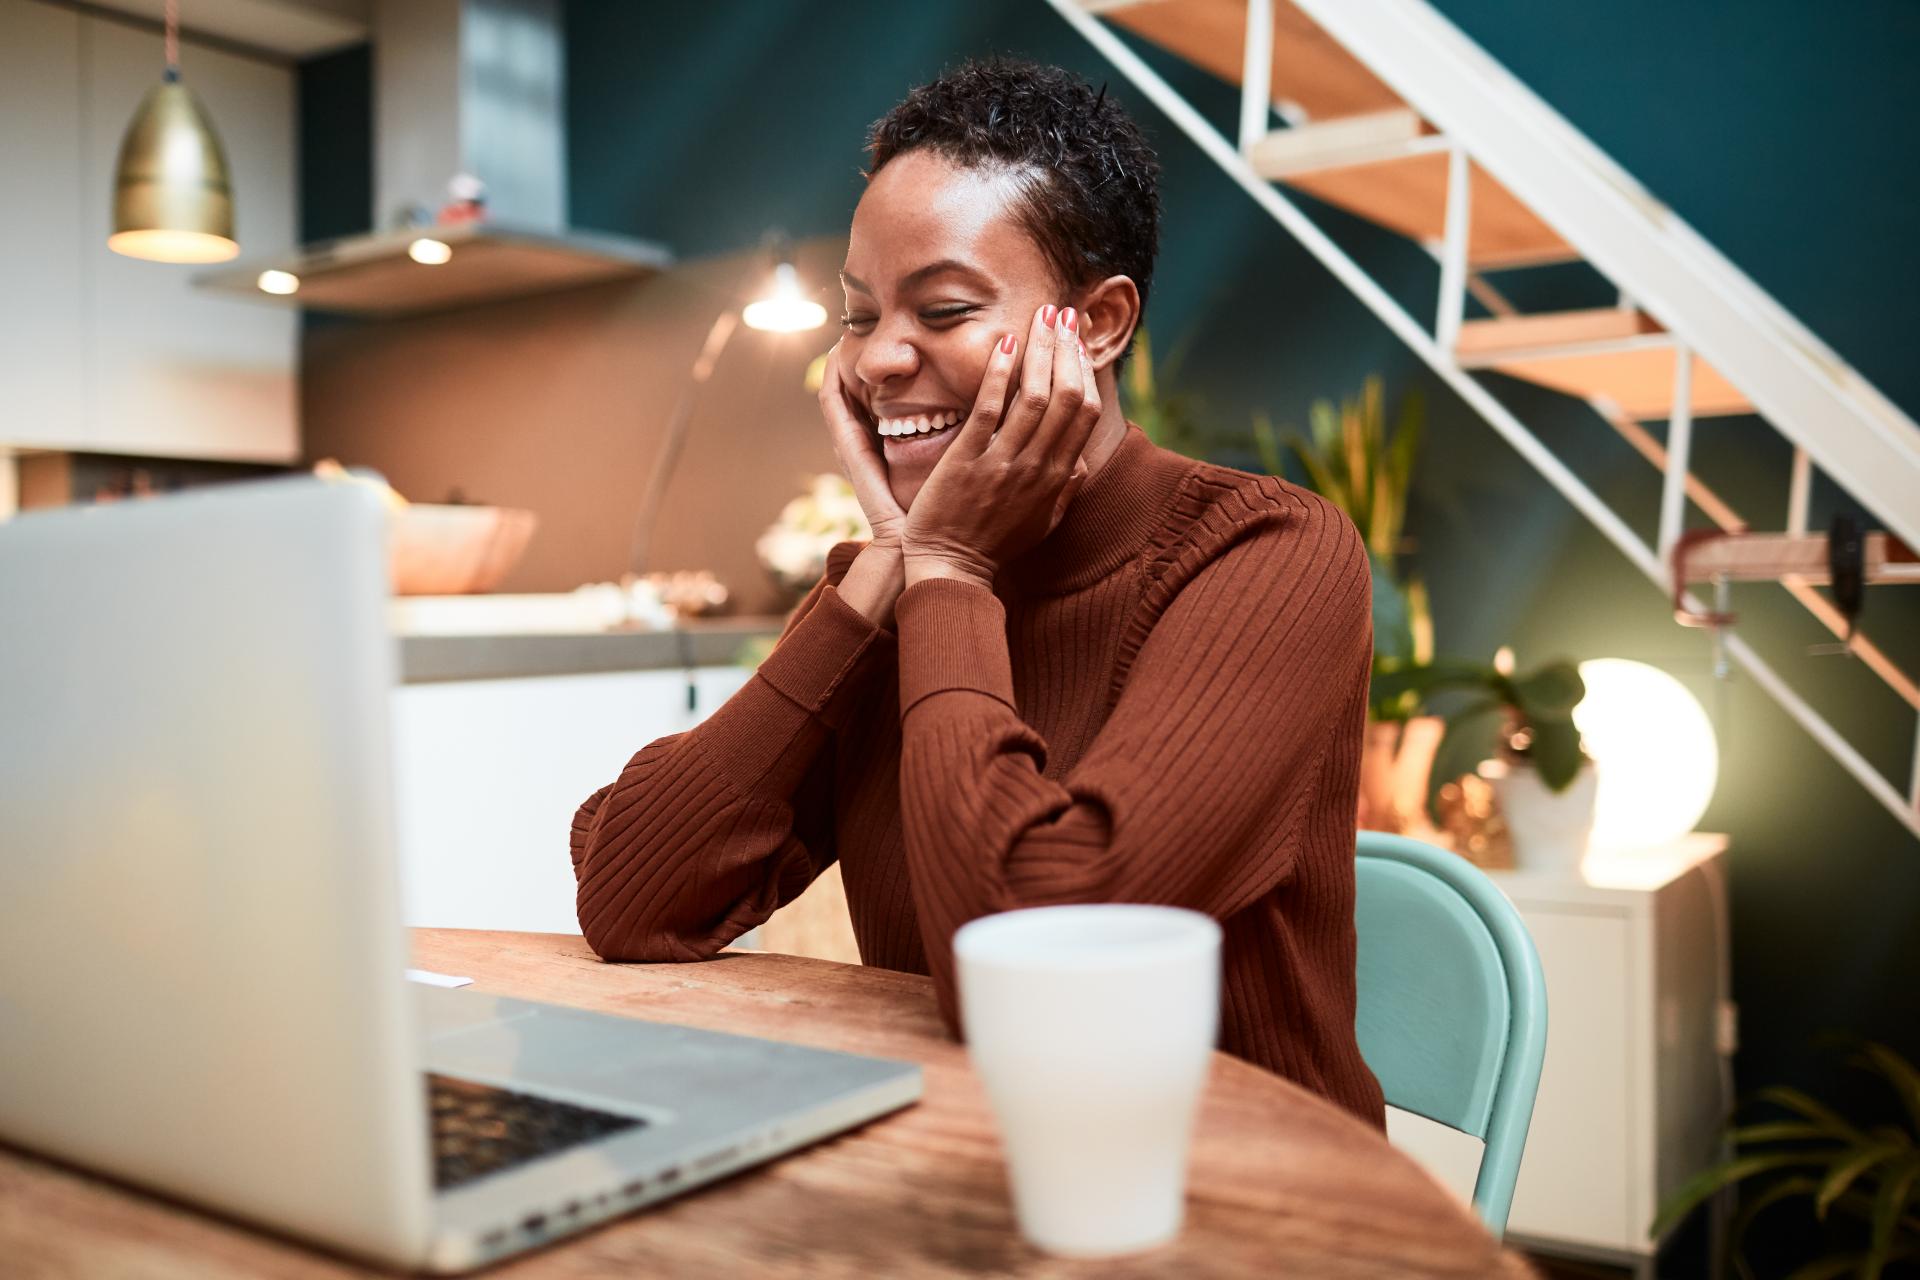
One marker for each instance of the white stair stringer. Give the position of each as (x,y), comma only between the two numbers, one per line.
(1806,391)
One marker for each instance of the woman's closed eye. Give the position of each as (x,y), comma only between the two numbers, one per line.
(860,322)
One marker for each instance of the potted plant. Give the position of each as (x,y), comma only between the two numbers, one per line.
(1545,782)
(1865,1176)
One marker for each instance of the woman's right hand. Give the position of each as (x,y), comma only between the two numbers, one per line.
(860,456)
(875,579)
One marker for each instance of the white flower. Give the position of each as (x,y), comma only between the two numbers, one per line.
(795,546)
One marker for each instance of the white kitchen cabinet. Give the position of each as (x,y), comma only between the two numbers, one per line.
(41,366)
(1633,1088)
(103,353)
(489,773)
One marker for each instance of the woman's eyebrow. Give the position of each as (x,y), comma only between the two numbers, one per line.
(922,274)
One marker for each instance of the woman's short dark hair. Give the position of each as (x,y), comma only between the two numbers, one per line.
(1088,183)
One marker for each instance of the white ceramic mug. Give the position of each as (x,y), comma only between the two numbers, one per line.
(1093,1029)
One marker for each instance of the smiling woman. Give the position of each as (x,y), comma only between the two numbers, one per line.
(1069,666)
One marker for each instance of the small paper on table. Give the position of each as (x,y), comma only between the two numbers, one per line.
(437,979)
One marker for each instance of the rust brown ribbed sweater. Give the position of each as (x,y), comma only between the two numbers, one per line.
(1163,702)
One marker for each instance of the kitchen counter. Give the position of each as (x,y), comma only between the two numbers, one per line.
(448,638)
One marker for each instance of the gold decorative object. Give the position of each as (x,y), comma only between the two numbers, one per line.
(1472,825)
(172,199)
(690,593)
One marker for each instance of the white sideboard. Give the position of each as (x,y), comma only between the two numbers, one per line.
(107,354)
(1639,1029)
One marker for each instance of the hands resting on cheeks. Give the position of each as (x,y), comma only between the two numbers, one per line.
(1001,486)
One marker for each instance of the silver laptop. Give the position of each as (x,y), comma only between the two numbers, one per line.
(200,936)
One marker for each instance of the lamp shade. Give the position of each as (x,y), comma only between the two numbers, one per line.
(1654,751)
(172,201)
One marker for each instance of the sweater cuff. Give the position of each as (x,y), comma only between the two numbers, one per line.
(821,653)
(953,635)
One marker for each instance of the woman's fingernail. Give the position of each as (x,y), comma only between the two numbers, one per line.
(1068,319)
(1007,345)
(1046,314)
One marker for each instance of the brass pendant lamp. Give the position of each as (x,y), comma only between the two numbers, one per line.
(172,201)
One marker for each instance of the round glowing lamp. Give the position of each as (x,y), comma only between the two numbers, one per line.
(429,252)
(785,309)
(1653,750)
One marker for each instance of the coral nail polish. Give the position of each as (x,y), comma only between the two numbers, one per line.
(1068,319)
(1006,345)
(1046,314)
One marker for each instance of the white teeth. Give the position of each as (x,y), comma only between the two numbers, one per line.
(925,424)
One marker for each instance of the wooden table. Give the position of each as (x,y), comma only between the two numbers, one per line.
(1283,1183)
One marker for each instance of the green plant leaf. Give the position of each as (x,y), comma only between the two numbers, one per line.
(1446,673)
(1353,440)
(1777,1131)
(1323,417)
(1320,474)
(1900,1074)
(1402,453)
(1392,620)
(1846,1168)
(1420,617)
(1556,752)
(1697,1189)
(1472,734)
(1266,443)
(1552,691)
(1803,1105)
(1888,1208)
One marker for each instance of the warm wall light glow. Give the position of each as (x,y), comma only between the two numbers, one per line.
(784,309)
(1653,749)
(429,252)
(281,282)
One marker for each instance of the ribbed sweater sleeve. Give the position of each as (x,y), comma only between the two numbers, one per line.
(1190,794)
(705,833)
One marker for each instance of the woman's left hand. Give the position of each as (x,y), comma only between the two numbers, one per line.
(1006,479)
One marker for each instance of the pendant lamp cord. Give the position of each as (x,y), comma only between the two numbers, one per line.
(173,39)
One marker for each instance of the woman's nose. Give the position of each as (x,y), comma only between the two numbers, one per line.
(885,356)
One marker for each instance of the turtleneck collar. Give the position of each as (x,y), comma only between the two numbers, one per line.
(1106,524)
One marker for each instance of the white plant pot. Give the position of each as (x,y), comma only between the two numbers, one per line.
(1549,830)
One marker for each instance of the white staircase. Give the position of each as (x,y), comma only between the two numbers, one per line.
(1394,115)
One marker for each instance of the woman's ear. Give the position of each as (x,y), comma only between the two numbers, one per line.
(1110,311)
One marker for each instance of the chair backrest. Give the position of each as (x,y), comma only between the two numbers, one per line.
(1452,1011)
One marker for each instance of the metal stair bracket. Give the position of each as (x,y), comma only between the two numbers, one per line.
(1428,135)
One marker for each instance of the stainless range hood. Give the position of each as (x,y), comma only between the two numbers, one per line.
(460,86)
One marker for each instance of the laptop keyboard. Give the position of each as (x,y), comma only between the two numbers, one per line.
(480,1130)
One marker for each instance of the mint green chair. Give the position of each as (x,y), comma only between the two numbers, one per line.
(1452,1005)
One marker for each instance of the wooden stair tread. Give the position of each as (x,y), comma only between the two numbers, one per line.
(1480,338)
(1407,192)
(1620,355)
(1309,66)
(1324,144)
